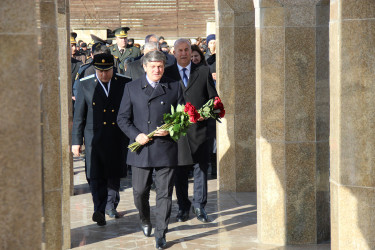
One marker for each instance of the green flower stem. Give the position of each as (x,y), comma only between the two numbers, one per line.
(135,145)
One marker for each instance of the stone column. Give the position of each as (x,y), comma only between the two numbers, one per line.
(20,136)
(292,121)
(236,86)
(51,128)
(352,136)
(66,113)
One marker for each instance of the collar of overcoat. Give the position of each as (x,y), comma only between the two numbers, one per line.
(151,92)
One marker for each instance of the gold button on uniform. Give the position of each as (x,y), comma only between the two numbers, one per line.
(93,103)
(104,110)
(113,110)
(113,123)
(104,123)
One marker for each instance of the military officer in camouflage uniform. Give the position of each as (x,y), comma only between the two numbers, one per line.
(120,50)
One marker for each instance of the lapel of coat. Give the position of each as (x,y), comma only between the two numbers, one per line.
(146,88)
(193,75)
(113,89)
(116,51)
(159,90)
(99,91)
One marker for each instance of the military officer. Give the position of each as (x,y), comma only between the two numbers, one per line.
(97,103)
(120,51)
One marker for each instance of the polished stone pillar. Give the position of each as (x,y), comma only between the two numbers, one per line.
(236,86)
(66,113)
(292,116)
(20,134)
(51,127)
(352,137)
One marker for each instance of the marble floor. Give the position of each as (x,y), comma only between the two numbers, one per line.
(233,222)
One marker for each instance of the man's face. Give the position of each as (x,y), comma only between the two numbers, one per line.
(121,42)
(154,70)
(164,49)
(182,52)
(104,75)
(148,50)
(84,48)
(73,48)
(153,40)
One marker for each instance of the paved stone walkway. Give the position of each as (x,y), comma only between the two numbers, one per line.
(233,222)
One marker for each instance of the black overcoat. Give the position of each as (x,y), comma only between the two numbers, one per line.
(135,70)
(95,120)
(193,147)
(141,111)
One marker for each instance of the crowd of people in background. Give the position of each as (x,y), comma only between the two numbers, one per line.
(120,92)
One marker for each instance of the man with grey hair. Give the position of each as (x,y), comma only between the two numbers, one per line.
(144,102)
(152,38)
(135,69)
(193,149)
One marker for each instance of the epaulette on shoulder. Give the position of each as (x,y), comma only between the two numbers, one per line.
(118,74)
(87,77)
(115,56)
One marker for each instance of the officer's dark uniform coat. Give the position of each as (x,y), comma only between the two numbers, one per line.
(120,58)
(149,105)
(95,119)
(192,147)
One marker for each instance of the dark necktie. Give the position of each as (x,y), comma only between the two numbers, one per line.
(184,77)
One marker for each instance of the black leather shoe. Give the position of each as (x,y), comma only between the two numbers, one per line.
(182,215)
(161,243)
(112,213)
(146,228)
(99,218)
(201,214)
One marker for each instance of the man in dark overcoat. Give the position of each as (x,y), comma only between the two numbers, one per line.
(95,112)
(135,69)
(144,102)
(194,148)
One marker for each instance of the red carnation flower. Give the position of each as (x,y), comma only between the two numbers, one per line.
(222,113)
(217,102)
(194,118)
(188,106)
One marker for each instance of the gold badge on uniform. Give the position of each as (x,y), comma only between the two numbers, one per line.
(103,61)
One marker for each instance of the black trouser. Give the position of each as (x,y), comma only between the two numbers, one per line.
(105,193)
(142,180)
(200,186)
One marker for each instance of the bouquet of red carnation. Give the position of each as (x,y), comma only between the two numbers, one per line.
(177,123)
(214,108)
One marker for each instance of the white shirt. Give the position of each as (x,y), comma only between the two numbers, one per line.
(153,84)
(187,71)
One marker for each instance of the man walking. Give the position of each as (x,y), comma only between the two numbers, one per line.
(95,112)
(144,102)
(194,148)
